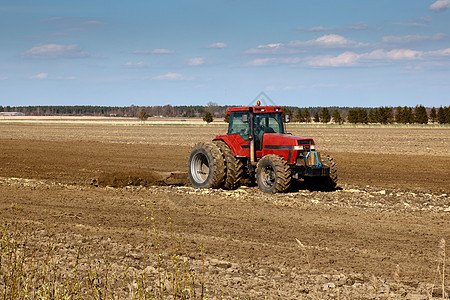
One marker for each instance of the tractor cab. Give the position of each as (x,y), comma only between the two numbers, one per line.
(251,123)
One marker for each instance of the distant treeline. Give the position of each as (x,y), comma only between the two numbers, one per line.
(356,115)
(381,115)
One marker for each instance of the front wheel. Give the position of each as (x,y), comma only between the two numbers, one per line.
(206,167)
(273,174)
(330,181)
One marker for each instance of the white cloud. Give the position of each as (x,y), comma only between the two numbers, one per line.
(443,52)
(4,78)
(348,59)
(169,76)
(319,29)
(162,51)
(412,38)
(218,45)
(55,51)
(139,64)
(270,46)
(354,26)
(328,41)
(417,22)
(142,51)
(260,62)
(196,61)
(359,26)
(267,49)
(332,41)
(440,5)
(40,76)
(269,60)
(344,59)
(395,54)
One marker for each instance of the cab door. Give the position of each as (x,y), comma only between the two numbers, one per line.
(238,126)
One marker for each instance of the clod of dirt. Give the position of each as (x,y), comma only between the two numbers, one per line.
(121,179)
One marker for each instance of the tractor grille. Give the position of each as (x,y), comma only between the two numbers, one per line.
(304,142)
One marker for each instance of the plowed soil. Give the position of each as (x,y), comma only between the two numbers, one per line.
(389,213)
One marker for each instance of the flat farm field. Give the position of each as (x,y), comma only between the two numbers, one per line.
(378,235)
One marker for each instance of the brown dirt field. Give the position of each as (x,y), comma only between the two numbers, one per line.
(392,208)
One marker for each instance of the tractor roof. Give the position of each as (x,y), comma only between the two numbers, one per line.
(256,109)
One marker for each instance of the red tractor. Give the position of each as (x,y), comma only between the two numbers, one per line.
(257,147)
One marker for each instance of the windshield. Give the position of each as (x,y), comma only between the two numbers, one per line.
(268,123)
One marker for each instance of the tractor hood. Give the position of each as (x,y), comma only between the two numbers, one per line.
(277,139)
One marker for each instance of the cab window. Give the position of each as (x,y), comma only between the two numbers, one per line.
(237,126)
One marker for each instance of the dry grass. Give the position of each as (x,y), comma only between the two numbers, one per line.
(33,270)
(441,267)
(303,247)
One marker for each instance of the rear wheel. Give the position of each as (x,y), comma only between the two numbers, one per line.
(234,167)
(206,166)
(273,174)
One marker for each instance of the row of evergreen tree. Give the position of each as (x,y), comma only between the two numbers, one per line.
(339,115)
(116,111)
(381,115)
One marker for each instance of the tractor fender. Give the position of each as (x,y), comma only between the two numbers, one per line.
(239,147)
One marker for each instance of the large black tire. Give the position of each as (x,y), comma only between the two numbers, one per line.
(206,166)
(327,183)
(234,167)
(273,174)
(330,181)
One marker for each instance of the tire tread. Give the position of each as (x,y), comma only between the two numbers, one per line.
(282,170)
(217,165)
(234,167)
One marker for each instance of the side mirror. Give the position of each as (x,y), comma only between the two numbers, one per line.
(245,118)
(287,118)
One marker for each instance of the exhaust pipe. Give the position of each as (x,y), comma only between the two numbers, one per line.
(252,138)
(252,152)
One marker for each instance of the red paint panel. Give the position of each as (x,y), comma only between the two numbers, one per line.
(235,142)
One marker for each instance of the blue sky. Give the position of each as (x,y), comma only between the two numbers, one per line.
(299,52)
